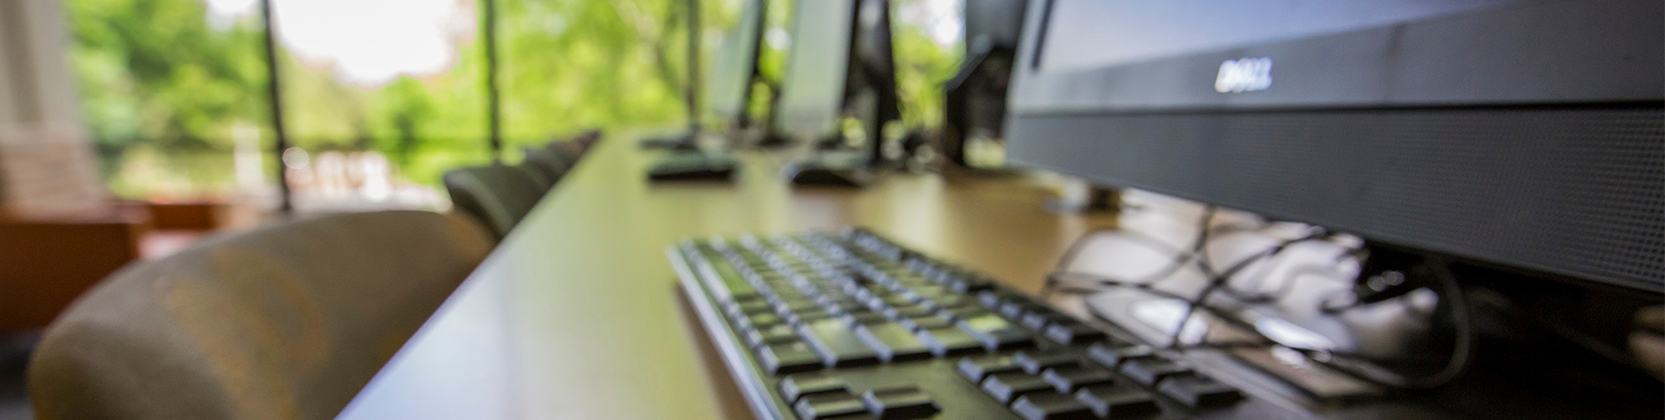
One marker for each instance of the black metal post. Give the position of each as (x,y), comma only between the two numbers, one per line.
(493,110)
(693,91)
(274,96)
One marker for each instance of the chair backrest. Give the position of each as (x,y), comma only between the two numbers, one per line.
(284,322)
(540,177)
(552,164)
(499,196)
(572,151)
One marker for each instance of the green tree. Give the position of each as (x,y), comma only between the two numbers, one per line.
(155,71)
(159,74)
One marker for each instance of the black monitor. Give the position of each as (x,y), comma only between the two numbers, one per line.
(840,65)
(974,102)
(1520,134)
(729,87)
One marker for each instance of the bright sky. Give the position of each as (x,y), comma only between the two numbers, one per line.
(370,41)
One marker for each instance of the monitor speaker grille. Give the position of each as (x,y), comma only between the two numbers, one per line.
(1578,192)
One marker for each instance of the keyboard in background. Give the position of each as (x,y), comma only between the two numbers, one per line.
(850,325)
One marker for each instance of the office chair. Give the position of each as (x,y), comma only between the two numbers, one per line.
(283,322)
(539,176)
(553,165)
(496,195)
(571,150)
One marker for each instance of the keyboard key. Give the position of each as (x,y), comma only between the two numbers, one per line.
(758,321)
(743,308)
(899,403)
(976,368)
(956,314)
(837,343)
(909,311)
(1014,309)
(1111,356)
(949,341)
(892,342)
(1073,333)
(807,317)
(1152,370)
(844,306)
(949,301)
(797,386)
(923,323)
(1199,391)
(1071,378)
(797,306)
(968,285)
(784,358)
(1051,406)
(1117,401)
(1039,319)
(991,299)
(729,285)
(926,291)
(864,318)
(995,333)
(829,405)
(1034,361)
(1007,387)
(775,334)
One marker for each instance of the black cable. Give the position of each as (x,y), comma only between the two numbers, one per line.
(1178,261)
(1219,280)
(1461,353)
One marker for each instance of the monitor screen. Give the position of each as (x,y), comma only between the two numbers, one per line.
(730,80)
(812,91)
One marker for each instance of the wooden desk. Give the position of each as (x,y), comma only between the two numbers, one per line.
(577,314)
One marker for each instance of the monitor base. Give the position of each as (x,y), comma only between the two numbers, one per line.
(807,173)
(693,166)
(679,142)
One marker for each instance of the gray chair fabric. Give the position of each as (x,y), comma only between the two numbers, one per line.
(572,151)
(497,195)
(284,322)
(540,178)
(551,163)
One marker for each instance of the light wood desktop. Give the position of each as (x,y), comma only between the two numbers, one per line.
(577,315)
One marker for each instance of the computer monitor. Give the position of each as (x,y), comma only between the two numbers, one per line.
(840,64)
(1520,134)
(975,99)
(730,82)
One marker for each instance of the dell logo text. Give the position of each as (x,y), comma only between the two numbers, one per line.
(1244,75)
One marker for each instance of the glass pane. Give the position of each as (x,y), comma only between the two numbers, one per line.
(379,108)
(171,93)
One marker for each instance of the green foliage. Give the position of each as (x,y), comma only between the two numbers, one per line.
(922,67)
(154,71)
(160,74)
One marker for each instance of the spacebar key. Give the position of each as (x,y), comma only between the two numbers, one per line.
(837,343)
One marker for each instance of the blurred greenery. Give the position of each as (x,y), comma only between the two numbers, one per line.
(161,80)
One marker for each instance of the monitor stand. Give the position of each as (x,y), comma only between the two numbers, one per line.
(830,169)
(686,141)
(833,164)
(693,165)
(688,161)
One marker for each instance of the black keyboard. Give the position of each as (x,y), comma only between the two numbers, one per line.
(851,326)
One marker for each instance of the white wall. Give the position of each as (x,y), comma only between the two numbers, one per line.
(46,163)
